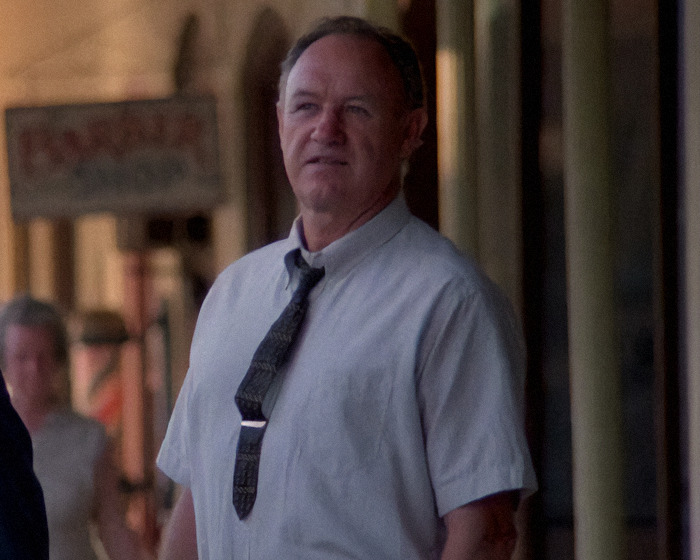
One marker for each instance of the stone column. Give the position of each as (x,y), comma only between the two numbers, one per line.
(95,241)
(7,256)
(593,332)
(42,274)
(50,260)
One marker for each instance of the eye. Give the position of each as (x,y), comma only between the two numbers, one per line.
(358,110)
(303,107)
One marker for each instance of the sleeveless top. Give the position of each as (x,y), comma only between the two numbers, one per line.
(66,449)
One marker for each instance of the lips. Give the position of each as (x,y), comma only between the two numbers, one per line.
(326,160)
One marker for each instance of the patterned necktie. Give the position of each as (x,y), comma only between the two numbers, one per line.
(270,356)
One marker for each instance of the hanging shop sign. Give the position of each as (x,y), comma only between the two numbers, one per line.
(133,157)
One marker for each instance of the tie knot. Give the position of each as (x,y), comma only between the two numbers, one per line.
(308,278)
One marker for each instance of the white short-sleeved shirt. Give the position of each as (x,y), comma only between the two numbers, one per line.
(402,400)
(66,450)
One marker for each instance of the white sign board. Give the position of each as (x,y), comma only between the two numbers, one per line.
(134,157)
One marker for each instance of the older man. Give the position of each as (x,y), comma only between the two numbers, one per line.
(381,417)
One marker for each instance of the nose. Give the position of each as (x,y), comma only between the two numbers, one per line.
(329,127)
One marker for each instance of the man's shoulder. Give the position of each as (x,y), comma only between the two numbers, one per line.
(247,274)
(258,261)
(439,269)
(431,253)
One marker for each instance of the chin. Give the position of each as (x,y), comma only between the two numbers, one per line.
(318,199)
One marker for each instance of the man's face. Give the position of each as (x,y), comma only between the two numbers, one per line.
(30,363)
(344,127)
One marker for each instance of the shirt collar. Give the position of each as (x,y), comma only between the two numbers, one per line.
(340,257)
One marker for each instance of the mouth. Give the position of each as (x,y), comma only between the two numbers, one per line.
(325,160)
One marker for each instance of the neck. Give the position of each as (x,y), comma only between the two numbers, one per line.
(320,229)
(318,232)
(32,415)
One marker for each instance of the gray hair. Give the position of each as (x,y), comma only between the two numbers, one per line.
(399,50)
(26,311)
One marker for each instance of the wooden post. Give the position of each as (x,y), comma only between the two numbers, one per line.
(138,455)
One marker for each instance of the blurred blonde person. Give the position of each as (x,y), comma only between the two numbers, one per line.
(72,454)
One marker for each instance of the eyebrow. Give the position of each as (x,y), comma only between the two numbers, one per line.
(365,98)
(304,93)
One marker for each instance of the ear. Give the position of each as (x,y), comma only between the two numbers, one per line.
(415,124)
(280,117)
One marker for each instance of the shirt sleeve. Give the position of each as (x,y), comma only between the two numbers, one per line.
(173,458)
(471,392)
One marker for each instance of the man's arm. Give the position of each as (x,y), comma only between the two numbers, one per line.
(119,541)
(179,540)
(481,530)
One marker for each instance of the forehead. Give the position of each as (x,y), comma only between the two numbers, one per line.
(18,335)
(347,64)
